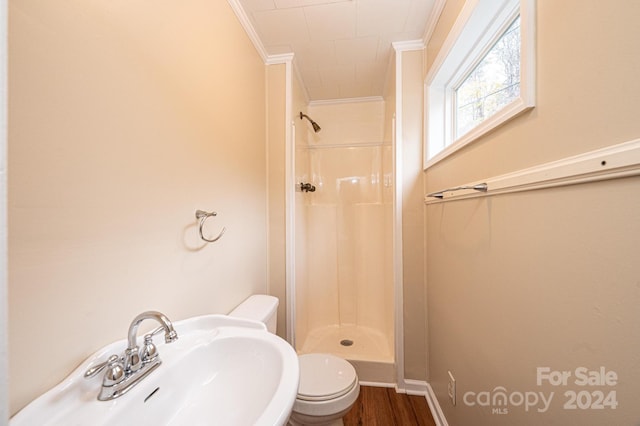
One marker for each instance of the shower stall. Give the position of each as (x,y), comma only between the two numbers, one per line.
(344,292)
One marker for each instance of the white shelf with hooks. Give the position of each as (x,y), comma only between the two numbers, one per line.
(616,161)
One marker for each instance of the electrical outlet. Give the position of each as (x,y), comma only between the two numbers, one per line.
(451,388)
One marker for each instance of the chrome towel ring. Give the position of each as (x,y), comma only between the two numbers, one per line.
(202,215)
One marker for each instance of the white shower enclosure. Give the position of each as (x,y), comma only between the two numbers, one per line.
(344,291)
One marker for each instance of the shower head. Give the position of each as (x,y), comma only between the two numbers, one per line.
(316,127)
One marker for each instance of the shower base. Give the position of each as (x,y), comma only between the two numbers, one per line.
(368,344)
(371,352)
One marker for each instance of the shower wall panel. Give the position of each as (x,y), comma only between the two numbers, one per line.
(322,268)
(346,244)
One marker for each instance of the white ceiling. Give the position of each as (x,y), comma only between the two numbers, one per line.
(341,48)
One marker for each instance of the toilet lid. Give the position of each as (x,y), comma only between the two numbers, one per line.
(324,376)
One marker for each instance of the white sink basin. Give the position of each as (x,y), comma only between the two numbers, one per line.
(220,371)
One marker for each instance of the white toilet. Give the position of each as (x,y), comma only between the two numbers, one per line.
(328,384)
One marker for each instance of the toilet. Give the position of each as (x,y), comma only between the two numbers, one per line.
(328,384)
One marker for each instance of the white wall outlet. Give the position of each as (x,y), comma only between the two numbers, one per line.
(451,388)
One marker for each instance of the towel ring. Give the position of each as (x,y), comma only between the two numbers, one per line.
(202,215)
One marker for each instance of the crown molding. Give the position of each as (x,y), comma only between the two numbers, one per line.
(434,17)
(268,59)
(346,100)
(404,46)
(248,28)
(282,58)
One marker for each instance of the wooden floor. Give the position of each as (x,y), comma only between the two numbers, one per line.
(384,407)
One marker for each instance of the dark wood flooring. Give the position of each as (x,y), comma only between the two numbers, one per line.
(384,407)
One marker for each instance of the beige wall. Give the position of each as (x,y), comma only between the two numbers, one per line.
(276,124)
(124,120)
(4,383)
(414,292)
(409,118)
(389,174)
(390,99)
(546,278)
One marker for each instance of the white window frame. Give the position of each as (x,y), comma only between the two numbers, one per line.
(480,24)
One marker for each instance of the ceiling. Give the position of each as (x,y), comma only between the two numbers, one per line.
(342,48)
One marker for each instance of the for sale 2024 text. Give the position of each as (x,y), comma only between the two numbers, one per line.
(587,398)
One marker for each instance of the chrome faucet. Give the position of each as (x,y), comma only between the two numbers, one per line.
(133,359)
(122,373)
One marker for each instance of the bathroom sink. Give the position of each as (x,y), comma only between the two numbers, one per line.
(221,370)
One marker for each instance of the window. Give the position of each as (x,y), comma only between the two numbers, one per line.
(482,77)
(493,83)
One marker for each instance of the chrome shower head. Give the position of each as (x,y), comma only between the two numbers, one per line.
(316,127)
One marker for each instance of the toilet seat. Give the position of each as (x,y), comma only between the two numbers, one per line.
(324,377)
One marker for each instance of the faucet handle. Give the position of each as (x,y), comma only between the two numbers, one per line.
(169,337)
(149,350)
(115,372)
(99,367)
(154,332)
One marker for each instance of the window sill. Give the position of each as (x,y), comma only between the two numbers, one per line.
(499,119)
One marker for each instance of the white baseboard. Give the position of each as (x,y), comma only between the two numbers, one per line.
(413,387)
(434,406)
(377,384)
(417,387)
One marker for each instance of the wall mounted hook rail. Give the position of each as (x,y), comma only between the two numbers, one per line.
(482,187)
(203,216)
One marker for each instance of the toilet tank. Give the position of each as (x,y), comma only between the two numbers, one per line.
(259,307)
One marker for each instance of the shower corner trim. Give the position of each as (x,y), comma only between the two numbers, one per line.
(290,248)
